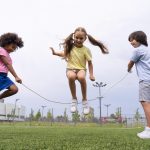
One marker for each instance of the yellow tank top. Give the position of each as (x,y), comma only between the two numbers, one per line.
(78,58)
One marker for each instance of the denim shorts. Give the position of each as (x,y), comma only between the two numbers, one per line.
(5,82)
(144,91)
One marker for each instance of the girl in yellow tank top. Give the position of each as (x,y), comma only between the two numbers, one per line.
(77,55)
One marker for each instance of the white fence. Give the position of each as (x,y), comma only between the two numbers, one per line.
(13,112)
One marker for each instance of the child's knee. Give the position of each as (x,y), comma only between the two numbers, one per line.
(81,78)
(71,78)
(14,89)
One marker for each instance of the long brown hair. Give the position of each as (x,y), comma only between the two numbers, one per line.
(69,42)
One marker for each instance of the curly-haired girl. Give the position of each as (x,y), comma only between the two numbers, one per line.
(9,42)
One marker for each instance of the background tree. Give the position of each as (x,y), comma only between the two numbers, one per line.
(60,118)
(49,117)
(65,115)
(137,116)
(31,115)
(118,112)
(38,115)
(75,117)
(113,116)
(119,115)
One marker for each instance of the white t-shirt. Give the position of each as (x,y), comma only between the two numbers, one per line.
(141,58)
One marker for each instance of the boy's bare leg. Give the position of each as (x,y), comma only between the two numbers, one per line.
(146,107)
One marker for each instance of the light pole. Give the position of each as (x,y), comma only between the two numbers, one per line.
(42,110)
(19,108)
(107,105)
(15,108)
(99,85)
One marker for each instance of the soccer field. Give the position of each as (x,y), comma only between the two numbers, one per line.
(15,137)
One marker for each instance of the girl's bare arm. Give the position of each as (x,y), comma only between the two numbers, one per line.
(10,68)
(60,54)
(90,66)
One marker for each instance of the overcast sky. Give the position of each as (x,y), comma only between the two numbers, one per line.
(44,23)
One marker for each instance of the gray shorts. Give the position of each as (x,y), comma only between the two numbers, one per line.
(144,91)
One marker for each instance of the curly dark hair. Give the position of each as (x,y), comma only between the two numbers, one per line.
(11,38)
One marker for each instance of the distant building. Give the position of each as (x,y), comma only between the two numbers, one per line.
(10,112)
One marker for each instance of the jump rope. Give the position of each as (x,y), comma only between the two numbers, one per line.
(65,103)
(58,102)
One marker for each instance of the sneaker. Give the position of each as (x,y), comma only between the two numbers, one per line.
(86,109)
(2,100)
(145,134)
(74,106)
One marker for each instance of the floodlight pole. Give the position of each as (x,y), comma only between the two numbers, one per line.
(107,105)
(15,109)
(42,110)
(99,85)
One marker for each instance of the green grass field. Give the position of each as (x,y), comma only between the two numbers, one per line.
(69,137)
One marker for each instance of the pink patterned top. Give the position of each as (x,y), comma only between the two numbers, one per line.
(3,67)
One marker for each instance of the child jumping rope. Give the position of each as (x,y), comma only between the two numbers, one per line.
(141,59)
(9,42)
(76,55)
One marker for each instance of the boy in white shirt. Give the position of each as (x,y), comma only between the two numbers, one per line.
(141,59)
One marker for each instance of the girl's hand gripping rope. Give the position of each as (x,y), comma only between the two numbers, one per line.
(92,78)
(18,80)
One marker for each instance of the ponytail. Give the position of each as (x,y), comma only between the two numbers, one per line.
(98,43)
(68,44)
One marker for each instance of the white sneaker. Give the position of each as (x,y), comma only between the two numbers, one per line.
(2,100)
(74,106)
(86,109)
(145,134)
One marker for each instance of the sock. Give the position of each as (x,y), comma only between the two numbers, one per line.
(147,128)
(74,101)
(85,103)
